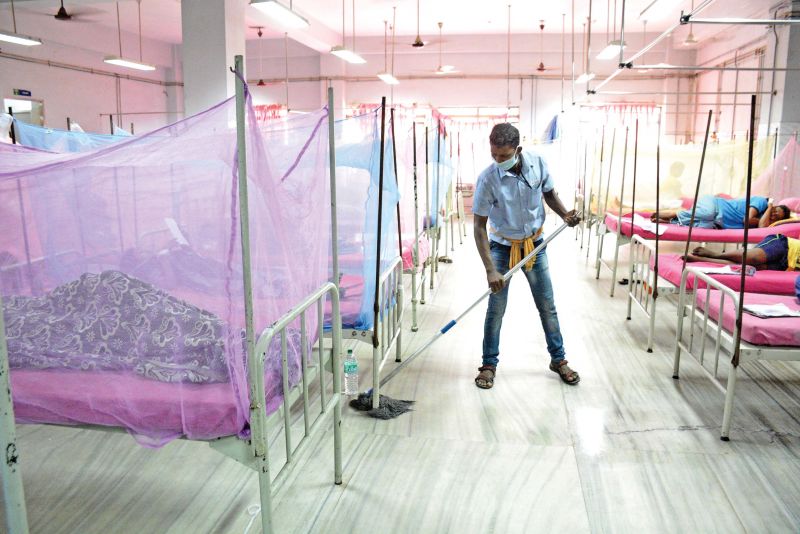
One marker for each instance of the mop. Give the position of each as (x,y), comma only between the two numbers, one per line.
(390,408)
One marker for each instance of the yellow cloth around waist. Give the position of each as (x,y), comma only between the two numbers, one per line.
(520,248)
(793,256)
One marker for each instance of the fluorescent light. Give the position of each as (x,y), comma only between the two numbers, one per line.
(16,38)
(128,63)
(387,77)
(347,55)
(612,50)
(280,13)
(445,69)
(585,77)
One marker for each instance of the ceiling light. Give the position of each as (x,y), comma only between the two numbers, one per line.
(388,78)
(16,38)
(612,50)
(129,63)
(585,77)
(446,69)
(281,14)
(690,40)
(347,55)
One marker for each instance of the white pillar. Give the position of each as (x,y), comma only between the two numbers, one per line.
(213,33)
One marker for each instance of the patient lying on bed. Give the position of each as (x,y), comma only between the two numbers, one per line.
(716,212)
(774,253)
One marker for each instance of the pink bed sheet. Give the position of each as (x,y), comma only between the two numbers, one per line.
(408,250)
(158,409)
(351,291)
(680,233)
(670,267)
(775,332)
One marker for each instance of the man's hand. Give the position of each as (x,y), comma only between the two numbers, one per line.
(496,281)
(572,218)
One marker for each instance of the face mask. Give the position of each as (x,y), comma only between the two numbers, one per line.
(508,164)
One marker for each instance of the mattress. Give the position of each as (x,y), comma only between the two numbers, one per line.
(670,267)
(155,412)
(774,332)
(680,233)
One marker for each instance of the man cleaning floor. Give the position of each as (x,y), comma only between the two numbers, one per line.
(509,196)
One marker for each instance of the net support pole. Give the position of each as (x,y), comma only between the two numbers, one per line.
(415,262)
(13,492)
(697,190)
(601,223)
(397,182)
(335,329)
(255,376)
(655,262)
(633,212)
(619,221)
(737,335)
(376,356)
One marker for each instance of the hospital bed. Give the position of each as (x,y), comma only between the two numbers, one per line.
(710,315)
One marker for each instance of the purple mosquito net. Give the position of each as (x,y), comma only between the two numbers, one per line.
(121,273)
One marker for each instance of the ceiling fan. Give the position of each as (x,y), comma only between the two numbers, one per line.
(63,15)
(541,67)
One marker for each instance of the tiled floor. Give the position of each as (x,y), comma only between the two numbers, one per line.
(628,450)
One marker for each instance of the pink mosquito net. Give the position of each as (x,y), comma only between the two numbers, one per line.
(121,273)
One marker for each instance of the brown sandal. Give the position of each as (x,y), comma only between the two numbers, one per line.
(568,376)
(485,378)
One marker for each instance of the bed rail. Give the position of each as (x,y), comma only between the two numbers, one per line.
(722,339)
(258,418)
(642,282)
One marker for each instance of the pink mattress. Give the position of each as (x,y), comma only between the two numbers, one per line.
(775,332)
(351,291)
(408,250)
(670,267)
(159,410)
(680,233)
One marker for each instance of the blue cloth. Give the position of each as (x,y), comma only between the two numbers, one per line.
(539,281)
(62,141)
(797,288)
(705,214)
(715,212)
(732,212)
(776,247)
(513,203)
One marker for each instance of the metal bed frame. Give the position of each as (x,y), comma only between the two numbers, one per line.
(642,283)
(722,341)
(387,330)
(253,453)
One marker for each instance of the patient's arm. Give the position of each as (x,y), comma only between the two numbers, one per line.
(764,221)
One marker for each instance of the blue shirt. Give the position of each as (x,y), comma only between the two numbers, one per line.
(731,212)
(513,203)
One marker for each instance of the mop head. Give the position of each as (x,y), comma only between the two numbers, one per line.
(389,408)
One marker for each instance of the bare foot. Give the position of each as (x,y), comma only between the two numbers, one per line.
(704,252)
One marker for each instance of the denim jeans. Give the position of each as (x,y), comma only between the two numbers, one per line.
(542,290)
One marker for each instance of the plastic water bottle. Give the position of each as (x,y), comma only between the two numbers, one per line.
(350,374)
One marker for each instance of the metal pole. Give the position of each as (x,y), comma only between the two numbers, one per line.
(697,190)
(336,329)
(619,221)
(376,303)
(633,211)
(415,263)
(658,218)
(69,125)
(13,492)
(622,36)
(257,402)
(738,335)
(573,53)
(397,181)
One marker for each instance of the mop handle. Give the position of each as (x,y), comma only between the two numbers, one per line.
(472,306)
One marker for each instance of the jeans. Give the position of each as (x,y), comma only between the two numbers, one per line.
(542,290)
